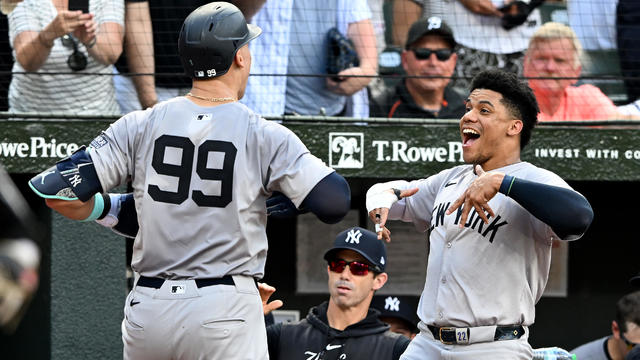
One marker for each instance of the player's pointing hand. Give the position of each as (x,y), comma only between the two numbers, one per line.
(477,196)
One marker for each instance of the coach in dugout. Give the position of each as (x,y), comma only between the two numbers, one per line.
(429,59)
(343,327)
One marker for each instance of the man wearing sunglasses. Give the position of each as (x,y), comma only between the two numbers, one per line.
(625,333)
(343,327)
(429,60)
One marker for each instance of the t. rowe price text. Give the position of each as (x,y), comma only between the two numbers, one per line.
(401,151)
(37,147)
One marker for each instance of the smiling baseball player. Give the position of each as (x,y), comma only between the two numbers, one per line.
(202,167)
(491,224)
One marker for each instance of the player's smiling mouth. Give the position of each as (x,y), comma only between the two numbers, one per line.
(469,136)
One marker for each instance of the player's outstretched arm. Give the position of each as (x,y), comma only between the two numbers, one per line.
(566,211)
(330,199)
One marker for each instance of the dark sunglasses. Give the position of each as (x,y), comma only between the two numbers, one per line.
(424,53)
(77,60)
(630,345)
(356,267)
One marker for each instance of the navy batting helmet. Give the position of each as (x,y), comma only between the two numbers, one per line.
(210,37)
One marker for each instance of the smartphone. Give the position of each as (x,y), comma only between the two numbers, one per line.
(79,5)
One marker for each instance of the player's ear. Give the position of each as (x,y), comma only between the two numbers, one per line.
(241,58)
(615,329)
(515,127)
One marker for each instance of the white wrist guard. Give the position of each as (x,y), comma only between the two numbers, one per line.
(111,219)
(383,199)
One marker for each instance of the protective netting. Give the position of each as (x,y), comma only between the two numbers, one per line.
(359,58)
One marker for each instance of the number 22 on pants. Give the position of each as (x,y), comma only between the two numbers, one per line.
(184,171)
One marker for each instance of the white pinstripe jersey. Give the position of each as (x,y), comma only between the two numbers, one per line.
(201,176)
(482,274)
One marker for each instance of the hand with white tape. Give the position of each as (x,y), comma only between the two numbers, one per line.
(378,204)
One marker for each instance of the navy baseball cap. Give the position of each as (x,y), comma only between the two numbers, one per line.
(430,26)
(401,307)
(362,241)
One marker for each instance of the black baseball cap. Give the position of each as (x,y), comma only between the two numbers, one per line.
(396,306)
(635,280)
(362,241)
(430,26)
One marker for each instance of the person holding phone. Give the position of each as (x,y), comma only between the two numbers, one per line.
(63,50)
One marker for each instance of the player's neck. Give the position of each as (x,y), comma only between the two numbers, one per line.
(218,90)
(613,348)
(340,317)
(497,163)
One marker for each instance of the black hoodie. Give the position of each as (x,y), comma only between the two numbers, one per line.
(313,339)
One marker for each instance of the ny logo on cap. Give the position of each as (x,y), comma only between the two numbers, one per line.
(353,236)
(392,304)
(434,23)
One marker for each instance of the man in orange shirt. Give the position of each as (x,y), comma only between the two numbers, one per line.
(552,64)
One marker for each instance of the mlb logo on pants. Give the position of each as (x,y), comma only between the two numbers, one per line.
(177,289)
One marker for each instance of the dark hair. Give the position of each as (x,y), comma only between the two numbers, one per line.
(517,97)
(628,309)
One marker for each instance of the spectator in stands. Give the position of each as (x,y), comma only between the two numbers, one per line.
(152,28)
(294,42)
(429,60)
(344,327)
(552,64)
(68,56)
(625,331)
(490,33)
(399,312)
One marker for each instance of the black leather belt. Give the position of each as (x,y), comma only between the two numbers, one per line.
(156,283)
(448,335)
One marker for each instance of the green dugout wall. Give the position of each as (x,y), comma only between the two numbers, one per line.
(78,309)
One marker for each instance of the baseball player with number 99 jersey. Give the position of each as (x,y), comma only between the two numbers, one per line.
(202,167)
